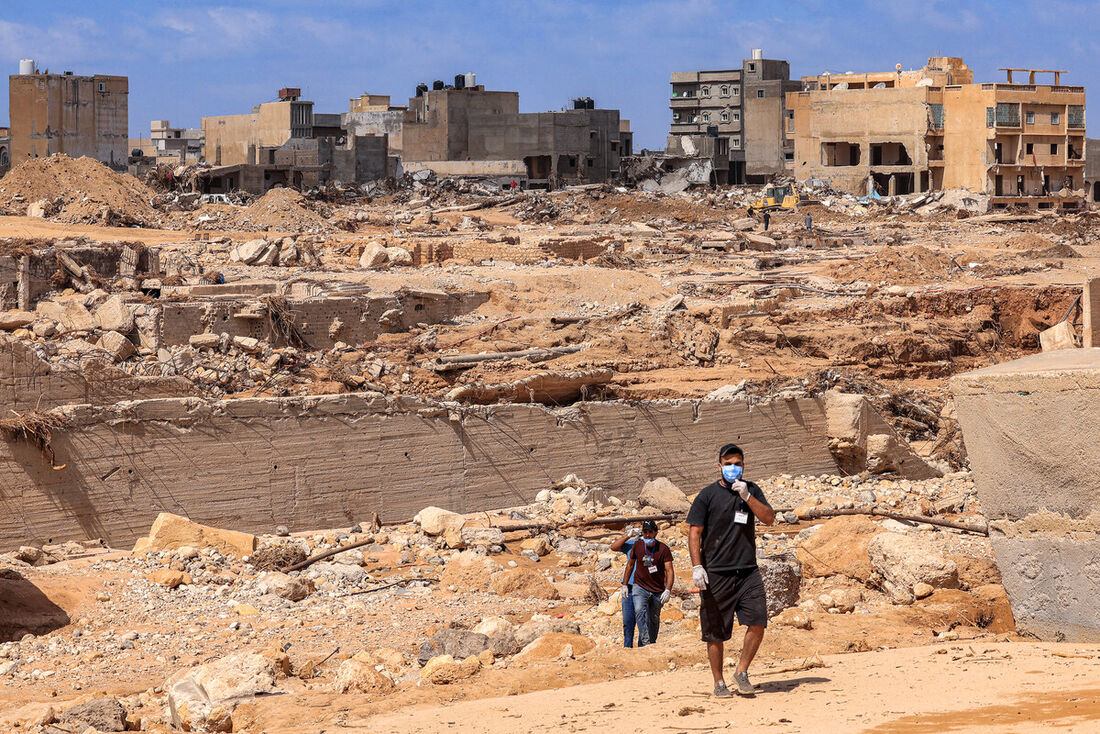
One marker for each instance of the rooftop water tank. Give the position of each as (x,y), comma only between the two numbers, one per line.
(758,53)
(471,79)
(26,66)
(437,85)
(460,81)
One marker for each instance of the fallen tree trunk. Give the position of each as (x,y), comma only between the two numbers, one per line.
(458,361)
(584,523)
(818,514)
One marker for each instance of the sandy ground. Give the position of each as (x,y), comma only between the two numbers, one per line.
(970,687)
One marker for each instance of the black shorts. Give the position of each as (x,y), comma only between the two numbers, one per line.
(740,592)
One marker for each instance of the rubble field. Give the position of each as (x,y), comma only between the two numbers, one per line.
(452,294)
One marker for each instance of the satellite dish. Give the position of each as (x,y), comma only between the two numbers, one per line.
(925,82)
(880,85)
(841,85)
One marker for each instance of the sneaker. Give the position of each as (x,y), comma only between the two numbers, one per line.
(743,686)
(720,691)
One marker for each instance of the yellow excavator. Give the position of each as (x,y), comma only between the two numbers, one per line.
(780,196)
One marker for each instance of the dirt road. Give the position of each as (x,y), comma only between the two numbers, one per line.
(967,687)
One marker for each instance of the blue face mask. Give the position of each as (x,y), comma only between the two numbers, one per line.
(650,541)
(732,472)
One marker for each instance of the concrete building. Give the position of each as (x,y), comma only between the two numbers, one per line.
(285,143)
(372,114)
(486,130)
(1092,169)
(66,113)
(933,128)
(183,144)
(743,113)
(5,150)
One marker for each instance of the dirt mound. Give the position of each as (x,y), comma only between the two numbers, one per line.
(1026,241)
(908,264)
(282,210)
(81,189)
(1056,252)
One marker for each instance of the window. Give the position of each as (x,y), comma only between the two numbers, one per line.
(1008,114)
(788,156)
(990,116)
(752,67)
(790,114)
(704,92)
(725,116)
(735,142)
(675,116)
(737,117)
(103,86)
(1054,148)
(937,115)
(1054,119)
(760,93)
(1029,148)
(725,90)
(1029,118)
(706,117)
(735,91)
(1075,116)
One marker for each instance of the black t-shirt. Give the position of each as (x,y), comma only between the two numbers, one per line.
(727,544)
(649,565)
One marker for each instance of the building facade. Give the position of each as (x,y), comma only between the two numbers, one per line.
(1022,144)
(67,113)
(5,150)
(742,110)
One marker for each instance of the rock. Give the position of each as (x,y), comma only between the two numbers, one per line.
(374,256)
(341,571)
(105,714)
(541,625)
(570,547)
(30,554)
(501,634)
(358,675)
(170,532)
(399,256)
(248,252)
(115,315)
(845,599)
(839,547)
(867,497)
(475,537)
(443,669)
(975,572)
(435,520)
(459,644)
(664,495)
(794,617)
(922,590)
(247,344)
(170,577)
(782,576)
(39,209)
(903,561)
(203,698)
(293,588)
(117,345)
(16,319)
(269,255)
(204,341)
(69,315)
(469,571)
(523,583)
(550,646)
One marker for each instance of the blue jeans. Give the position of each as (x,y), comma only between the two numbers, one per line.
(647,612)
(628,618)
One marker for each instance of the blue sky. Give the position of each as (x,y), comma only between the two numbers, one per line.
(189,58)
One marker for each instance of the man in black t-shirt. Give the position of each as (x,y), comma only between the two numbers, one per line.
(722,542)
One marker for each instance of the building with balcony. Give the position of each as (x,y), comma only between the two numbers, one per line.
(743,113)
(1022,144)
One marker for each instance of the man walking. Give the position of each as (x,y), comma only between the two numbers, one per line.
(623,545)
(650,565)
(809,223)
(767,220)
(722,542)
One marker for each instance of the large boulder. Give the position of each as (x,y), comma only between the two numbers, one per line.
(469,571)
(839,546)
(70,315)
(293,588)
(248,252)
(115,315)
(664,495)
(903,561)
(445,669)
(374,256)
(103,714)
(170,577)
(782,576)
(16,319)
(398,256)
(523,583)
(203,698)
(556,645)
(118,346)
(171,532)
(501,634)
(459,644)
(359,675)
(436,520)
(541,625)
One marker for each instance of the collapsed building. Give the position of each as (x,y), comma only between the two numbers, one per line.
(5,150)
(68,113)
(900,132)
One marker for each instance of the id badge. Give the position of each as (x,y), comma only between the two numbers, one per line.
(741,518)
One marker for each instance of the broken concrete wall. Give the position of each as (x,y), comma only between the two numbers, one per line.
(320,461)
(1031,428)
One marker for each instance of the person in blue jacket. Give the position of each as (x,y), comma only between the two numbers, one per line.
(623,545)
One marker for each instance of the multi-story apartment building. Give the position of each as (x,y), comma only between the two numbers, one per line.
(734,116)
(933,128)
(66,113)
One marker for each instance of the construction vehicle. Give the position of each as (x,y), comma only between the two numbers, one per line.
(781,196)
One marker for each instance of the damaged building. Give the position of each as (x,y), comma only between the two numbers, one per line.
(900,132)
(285,143)
(68,113)
(737,118)
(5,150)
(466,130)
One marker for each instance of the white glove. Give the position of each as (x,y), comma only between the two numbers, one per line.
(742,489)
(699,577)
(665,596)
(635,533)
(626,591)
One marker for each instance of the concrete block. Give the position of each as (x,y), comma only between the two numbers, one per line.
(1090,309)
(115,315)
(1059,336)
(118,345)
